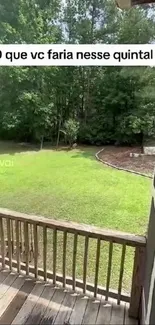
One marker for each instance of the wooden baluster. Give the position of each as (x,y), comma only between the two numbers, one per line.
(54,255)
(137,281)
(26,240)
(2,242)
(21,239)
(45,252)
(31,242)
(9,243)
(35,231)
(97,266)
(12,236)
(109,270)
(121,274)
(64,257)
(18,246)
(85,262)
(74,261)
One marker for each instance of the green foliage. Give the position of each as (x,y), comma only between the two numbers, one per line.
(71,128)
(111,104)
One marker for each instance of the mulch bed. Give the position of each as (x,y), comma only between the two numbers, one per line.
(120,157)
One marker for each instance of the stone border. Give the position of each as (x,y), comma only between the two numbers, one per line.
(119,168)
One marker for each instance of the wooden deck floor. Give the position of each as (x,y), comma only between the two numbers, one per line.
(24,301)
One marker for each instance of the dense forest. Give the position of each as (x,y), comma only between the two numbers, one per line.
(98,105)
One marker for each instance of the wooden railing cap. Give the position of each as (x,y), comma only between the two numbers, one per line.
(81,229)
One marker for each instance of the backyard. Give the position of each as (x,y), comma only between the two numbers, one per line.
(73,185)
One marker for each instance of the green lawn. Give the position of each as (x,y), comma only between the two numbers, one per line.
(72,185)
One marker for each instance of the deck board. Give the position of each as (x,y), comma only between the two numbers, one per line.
(66,308)
(3,275)
(104,314)
(29,304)
(78,310)
(53,307)
(17,302)
(91,312)
(24,301)
(39,310)
(10,294)
(128,320)
(5,285)
(118,315)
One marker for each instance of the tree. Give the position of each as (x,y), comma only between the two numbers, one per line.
(111,104)
(71,131)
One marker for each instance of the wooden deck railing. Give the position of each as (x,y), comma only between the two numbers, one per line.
(26,241)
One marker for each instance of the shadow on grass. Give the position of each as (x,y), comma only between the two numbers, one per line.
(11,148)
(84,154)
(82,151)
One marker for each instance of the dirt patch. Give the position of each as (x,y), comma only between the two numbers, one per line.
(120,157)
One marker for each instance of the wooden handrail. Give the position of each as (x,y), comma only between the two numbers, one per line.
(20,240)
(82,229)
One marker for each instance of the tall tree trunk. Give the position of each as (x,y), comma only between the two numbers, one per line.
(59,126)
(41,142)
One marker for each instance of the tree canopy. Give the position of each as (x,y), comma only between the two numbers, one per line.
(109,104)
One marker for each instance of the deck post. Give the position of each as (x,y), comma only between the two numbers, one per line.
(137,282)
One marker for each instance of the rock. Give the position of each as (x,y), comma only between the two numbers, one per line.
(74,145)
(149,151)
(136,155)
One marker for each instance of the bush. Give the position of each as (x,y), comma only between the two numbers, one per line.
(71,128)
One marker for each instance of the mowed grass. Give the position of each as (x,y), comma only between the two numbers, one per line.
(72,185)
